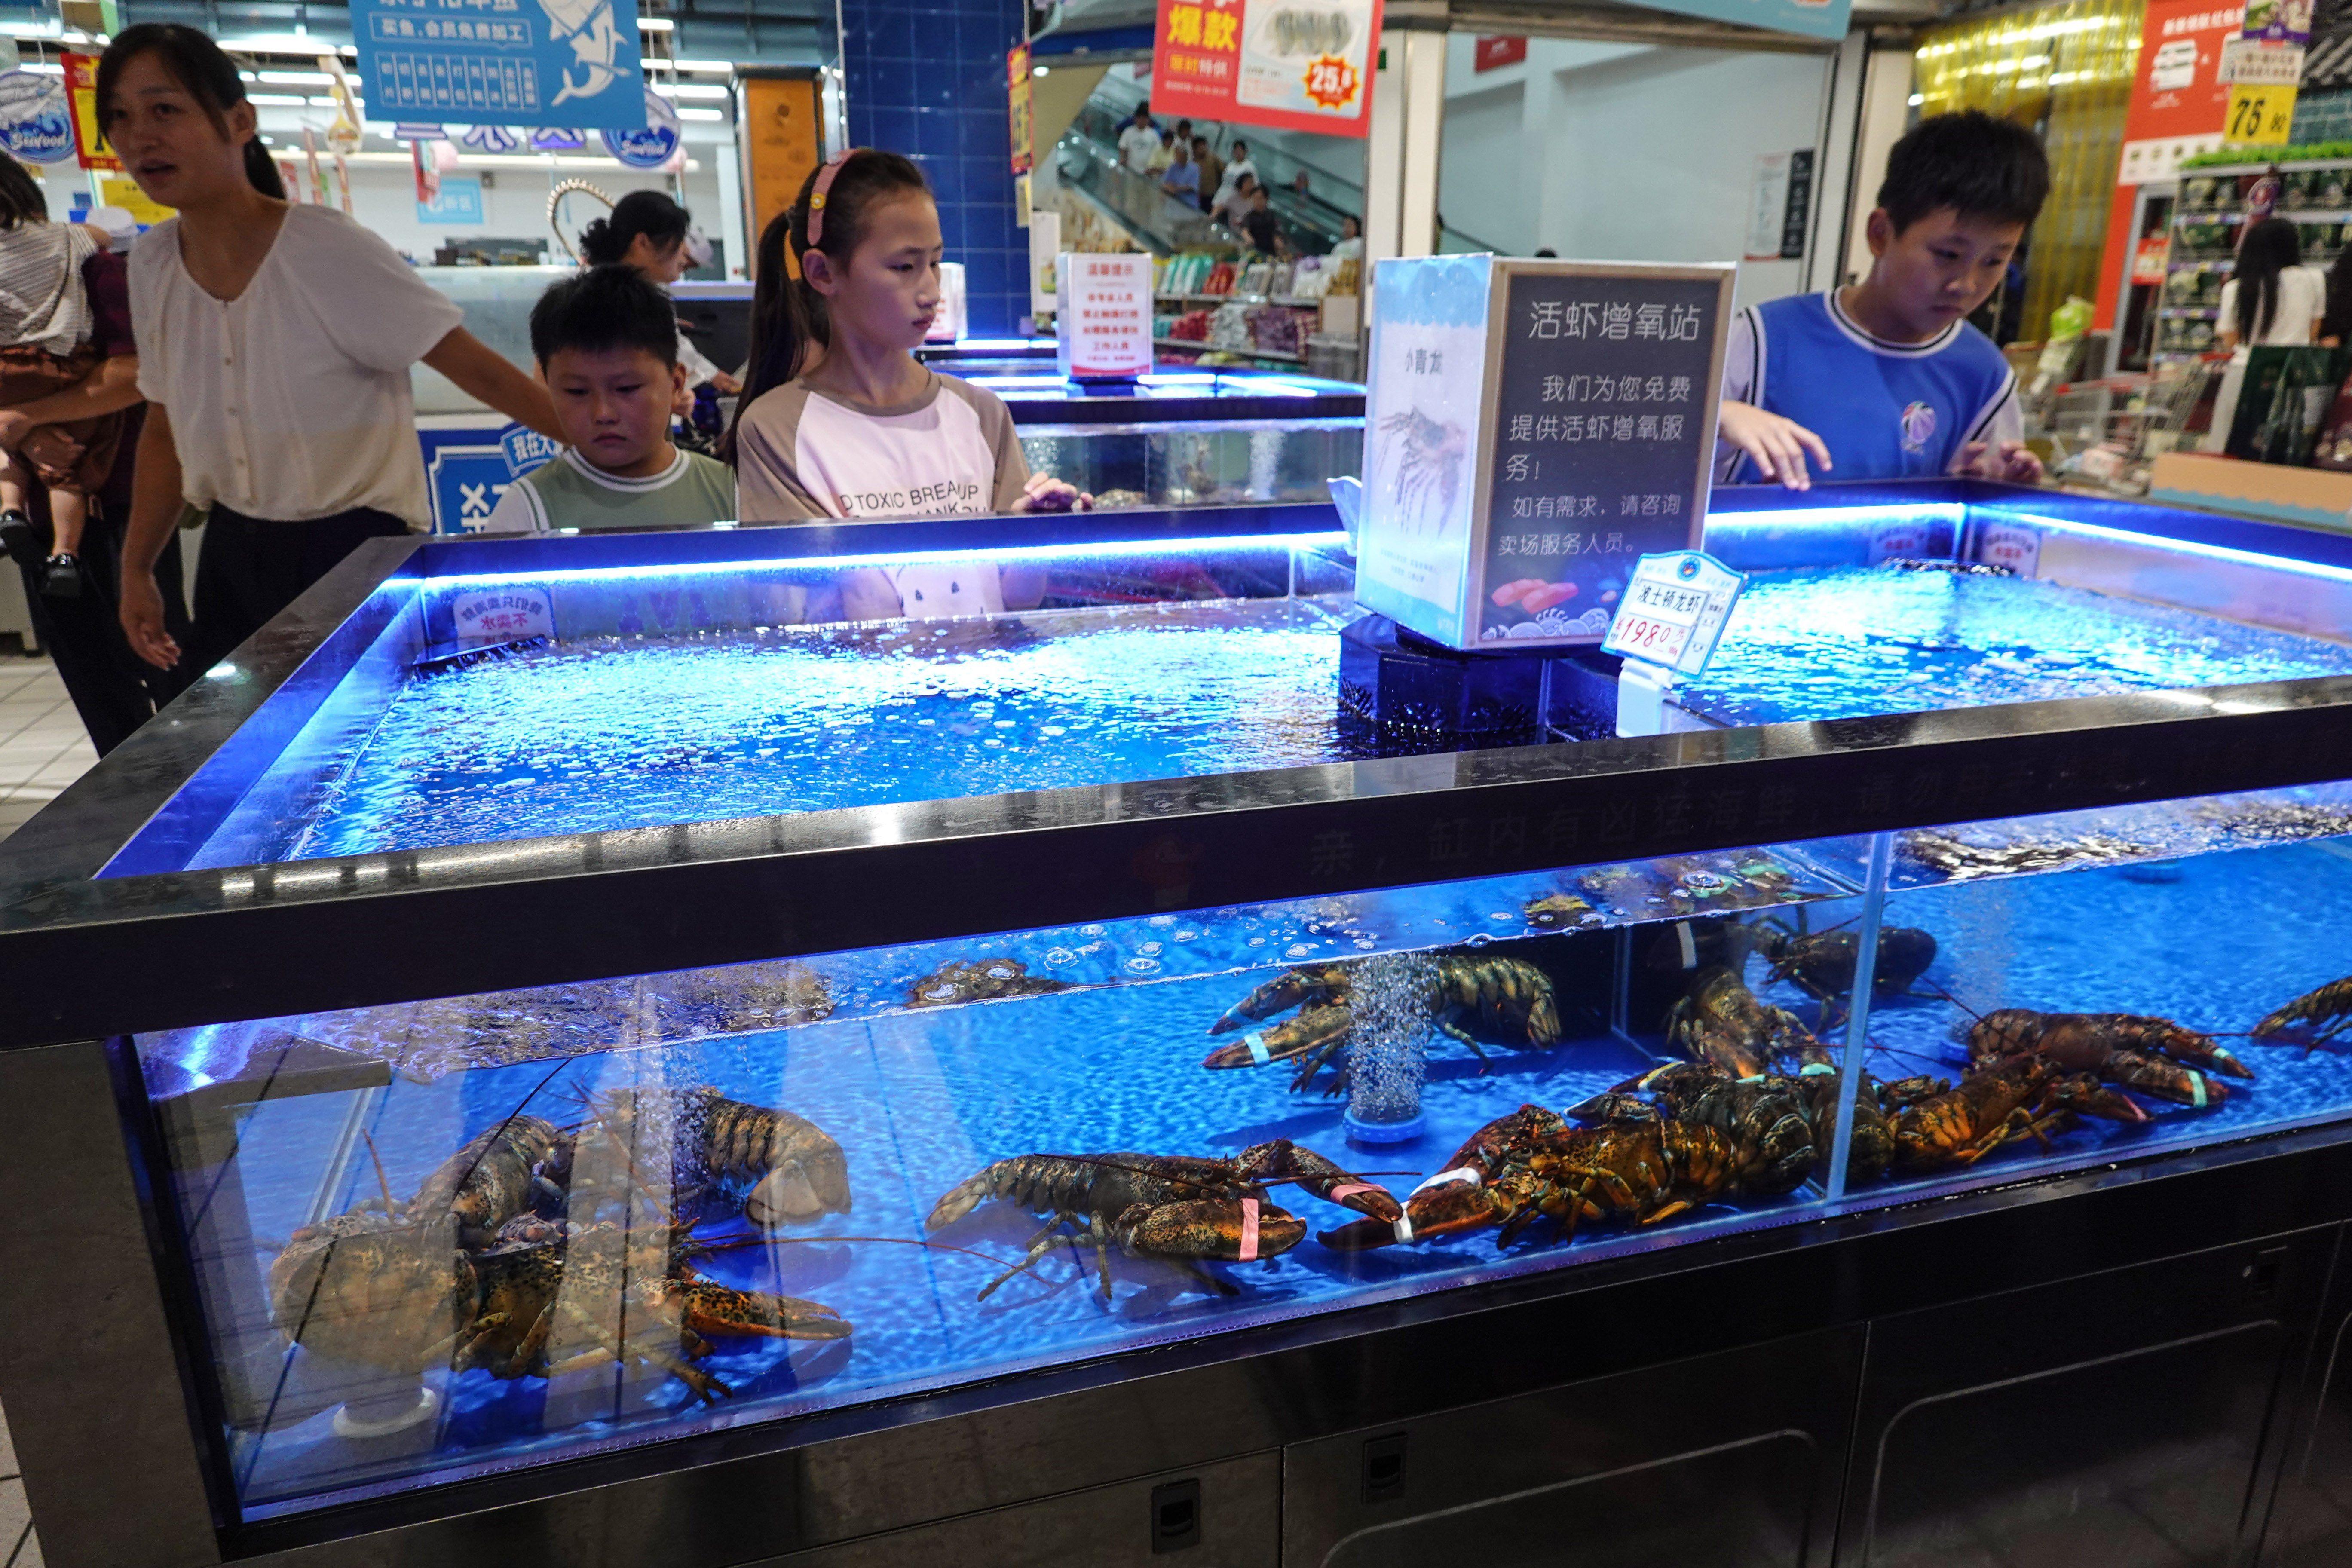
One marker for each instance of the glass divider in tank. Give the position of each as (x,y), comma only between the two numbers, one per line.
(1857,1056)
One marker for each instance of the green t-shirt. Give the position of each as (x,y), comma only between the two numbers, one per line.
(568,493)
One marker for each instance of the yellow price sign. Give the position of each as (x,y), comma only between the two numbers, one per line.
(2260,114)
(121,191)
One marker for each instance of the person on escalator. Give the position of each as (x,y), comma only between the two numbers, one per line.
(1887,373)
(1259,223)
(1183,179)
(838,420)
(1139,141)
(1232,204)
(1238,168)
(1212,167)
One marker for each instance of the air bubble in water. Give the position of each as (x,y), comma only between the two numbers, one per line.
(1142,967)
(1386,1059)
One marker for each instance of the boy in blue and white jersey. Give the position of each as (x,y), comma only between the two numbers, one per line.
(1887,373)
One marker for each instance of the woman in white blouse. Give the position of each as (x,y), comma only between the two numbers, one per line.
(2271,301)
(274,344)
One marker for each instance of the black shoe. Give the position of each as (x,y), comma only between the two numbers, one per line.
(17,537)
(61,578)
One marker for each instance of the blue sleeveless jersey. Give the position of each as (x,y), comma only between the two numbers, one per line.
(1886,411)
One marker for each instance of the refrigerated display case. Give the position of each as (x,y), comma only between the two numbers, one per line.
(1181,438)
(699,1079)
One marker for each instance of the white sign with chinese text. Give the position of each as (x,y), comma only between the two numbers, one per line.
(502,614)
(1532,428)
(1673,611)
(1102,315)
(2015,545)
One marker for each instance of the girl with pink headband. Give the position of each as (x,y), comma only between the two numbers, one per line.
(838,419)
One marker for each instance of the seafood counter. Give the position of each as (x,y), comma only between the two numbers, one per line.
(701,1036)
(738,1193)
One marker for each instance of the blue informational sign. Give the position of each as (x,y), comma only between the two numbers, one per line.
(508,62)
(460,201)
(36,125)
(470,469)
(652,146)
(1814,18)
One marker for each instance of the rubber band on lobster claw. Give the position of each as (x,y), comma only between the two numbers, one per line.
(825,178)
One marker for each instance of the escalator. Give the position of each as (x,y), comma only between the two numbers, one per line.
(1309,201)
(1310,219)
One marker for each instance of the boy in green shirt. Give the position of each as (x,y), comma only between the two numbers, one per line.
(607,347)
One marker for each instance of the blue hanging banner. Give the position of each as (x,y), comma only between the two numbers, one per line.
(651,146)
(510,62)
(36,125)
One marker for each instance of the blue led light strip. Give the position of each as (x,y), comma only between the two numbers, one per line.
(1738,522)
(1266,541)
(2280,564)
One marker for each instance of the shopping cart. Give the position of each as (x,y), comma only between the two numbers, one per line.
(2110,431)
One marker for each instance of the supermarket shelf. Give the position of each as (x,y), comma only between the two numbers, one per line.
(2190,312)
(1197,346)
(1295,301)
(2293,215)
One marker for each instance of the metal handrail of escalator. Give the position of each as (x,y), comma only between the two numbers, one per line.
(1159,220)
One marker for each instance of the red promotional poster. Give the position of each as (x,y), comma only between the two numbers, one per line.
(1258,62)
(82,91)
(2179,105)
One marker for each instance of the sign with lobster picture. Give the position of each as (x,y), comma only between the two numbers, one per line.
(1533,428)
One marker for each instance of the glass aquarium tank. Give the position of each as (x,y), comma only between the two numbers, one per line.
(680,1010)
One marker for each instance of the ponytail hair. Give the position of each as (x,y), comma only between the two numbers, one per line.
(2266,249)
(203,71)
(262,170)
(788,317)
(649,213)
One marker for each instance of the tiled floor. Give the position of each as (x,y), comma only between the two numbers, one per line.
(19,1548)
(42,749)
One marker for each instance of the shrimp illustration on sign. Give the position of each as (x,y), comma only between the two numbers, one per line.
(595,43)
(1430,454)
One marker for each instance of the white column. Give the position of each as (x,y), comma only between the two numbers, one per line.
(732,208)
(1384,152)
(1885,115)
(1833,164)
(1400,161)
(1424,135)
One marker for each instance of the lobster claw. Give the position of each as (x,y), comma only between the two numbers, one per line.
(1312,1171)
(1229,1230)
(1317,1028)
(1320,982)
(1430,1212)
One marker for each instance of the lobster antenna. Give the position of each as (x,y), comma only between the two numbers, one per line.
(377,1160)
(1942,995)
(1105,1162)
(1918,1056)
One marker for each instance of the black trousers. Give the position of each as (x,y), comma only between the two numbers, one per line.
(114,689)
(250,568)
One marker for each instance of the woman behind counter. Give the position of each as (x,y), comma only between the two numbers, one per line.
(274,344)
(838,419)
(654,237)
